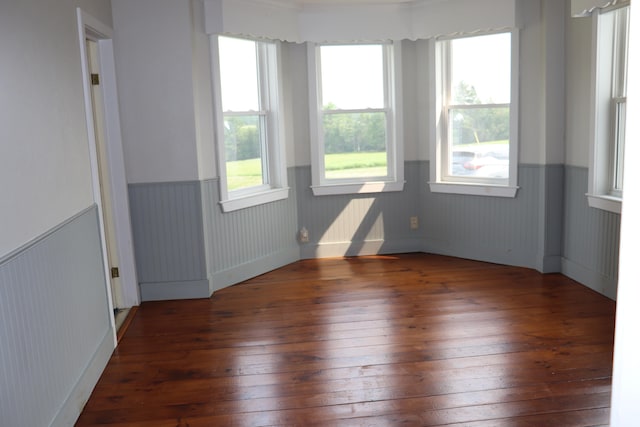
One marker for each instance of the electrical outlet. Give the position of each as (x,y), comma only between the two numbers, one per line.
(414,222)
(303,235)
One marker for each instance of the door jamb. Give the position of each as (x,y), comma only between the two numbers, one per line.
(91,28)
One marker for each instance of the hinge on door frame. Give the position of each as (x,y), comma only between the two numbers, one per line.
(95,79)
(115,272)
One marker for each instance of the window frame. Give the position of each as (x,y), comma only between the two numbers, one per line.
(394,181)
(440,71)
(608,92)
(271,113)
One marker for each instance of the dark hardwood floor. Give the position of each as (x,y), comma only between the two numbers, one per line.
(407,340)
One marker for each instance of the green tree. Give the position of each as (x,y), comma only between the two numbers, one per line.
(241,137)
(354,132)
(478,124)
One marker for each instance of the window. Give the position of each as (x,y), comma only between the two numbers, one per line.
(474,88)
(248,118)
(609,94)
(356,125)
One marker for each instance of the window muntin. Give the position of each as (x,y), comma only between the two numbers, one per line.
(247,91)
(355,117)
(609,81)
(619,98)
(244,105)
(476,84)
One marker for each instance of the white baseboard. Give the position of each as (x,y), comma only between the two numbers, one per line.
(240,273)
(591,279)
(74,403)
(368,247)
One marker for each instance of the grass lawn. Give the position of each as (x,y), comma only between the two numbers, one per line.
(248,173)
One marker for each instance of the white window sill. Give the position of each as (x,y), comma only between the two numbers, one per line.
(605,202)
(254,199)
(474,189)
(359,188)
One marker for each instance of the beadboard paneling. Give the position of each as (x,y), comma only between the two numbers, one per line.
(247,242)
(358,224)
(591,237)
(168,239)
(493,229)
(55,329)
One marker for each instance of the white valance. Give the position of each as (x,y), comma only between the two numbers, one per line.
(586,7)
(334,22)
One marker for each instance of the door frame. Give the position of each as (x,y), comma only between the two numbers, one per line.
(91,28)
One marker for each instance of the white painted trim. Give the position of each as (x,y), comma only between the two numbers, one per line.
(605,203)
(357,21)
(395,128)
(89,27)
(438,126)
(361,248)
(357,188)
(93,160)
(253,268)
(73,404)
(473,189)
(582,8)
(589,278)
(271,94)
(117,175)
(601,125)
(254,199)
(625,410)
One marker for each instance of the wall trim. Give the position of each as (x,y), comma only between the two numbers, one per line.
(36,240)
(187,289)
(551,264)
(360,248)
(606,286)
(74,403)
(514,257)
(248,270)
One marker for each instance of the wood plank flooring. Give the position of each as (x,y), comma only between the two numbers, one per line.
(406,340)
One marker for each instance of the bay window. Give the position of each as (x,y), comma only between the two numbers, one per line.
(356,122)
(248,122)
(475,115)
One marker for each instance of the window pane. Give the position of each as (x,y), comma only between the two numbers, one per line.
(479,142)
(243,151)
(352,76)
(355,145)
(481,69)
(238,74)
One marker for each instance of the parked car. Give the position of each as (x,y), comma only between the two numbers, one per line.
(481,160)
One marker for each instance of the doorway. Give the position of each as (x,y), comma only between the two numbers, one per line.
(97,102)
(107,167)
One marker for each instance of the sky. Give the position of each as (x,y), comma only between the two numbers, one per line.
(485,63)
(353,75)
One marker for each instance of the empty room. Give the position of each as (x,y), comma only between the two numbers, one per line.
(318,212)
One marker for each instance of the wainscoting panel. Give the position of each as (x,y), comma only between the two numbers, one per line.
(359,224)
(55,330)
(493,229)
(169,240)
(248,242)
(552,200)
(591,237)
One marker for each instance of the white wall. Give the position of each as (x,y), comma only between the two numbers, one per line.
(154,62)
(202,93)
(542,83)
(578,84)
(625,410)
(295,74)
(99,9)
(44,159)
